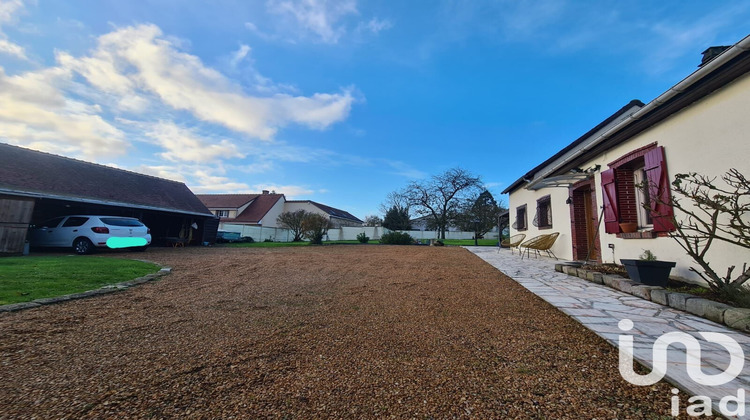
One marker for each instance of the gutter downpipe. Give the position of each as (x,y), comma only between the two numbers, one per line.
(732,52)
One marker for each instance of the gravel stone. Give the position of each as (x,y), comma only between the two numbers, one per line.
(314,332)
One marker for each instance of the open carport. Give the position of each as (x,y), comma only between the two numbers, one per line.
(36,186)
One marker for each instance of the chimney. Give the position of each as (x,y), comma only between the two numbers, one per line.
(711,53)
(265,192)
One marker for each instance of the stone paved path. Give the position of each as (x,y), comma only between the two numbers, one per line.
(601,308)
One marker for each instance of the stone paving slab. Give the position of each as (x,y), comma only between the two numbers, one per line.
(601,308)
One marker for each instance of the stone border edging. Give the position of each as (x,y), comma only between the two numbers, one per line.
(110,288)
(737,318)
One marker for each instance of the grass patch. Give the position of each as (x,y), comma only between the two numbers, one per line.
(23,279)
(286,244)
(455,242)
(470,242)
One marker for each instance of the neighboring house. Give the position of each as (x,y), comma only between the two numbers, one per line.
(245,209)
(263,209)
(36,186)
(699,125)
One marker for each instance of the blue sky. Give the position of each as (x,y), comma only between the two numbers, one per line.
(336,101)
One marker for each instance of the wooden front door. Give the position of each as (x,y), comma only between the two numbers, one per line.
(592,239)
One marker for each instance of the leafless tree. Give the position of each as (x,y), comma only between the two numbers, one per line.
(441,195)
(373,220)
(712,211)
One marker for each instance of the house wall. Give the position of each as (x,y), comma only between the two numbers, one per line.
(291,207)
(269,220)
(560,217)
(709,137)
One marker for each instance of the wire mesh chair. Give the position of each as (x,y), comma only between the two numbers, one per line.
(540,243)
(513,242)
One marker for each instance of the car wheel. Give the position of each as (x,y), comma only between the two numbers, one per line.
(141,248)
(83,246)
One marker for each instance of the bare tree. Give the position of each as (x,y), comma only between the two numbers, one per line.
(440,196)
(373,220)
(395,199)
(712,212)
(292,220)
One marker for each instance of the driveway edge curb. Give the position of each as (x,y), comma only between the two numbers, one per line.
(110,288)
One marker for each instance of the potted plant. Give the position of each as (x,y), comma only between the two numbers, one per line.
(629,227)
(648,270)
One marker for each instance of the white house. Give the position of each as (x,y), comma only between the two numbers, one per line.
(263,209)
(588,189)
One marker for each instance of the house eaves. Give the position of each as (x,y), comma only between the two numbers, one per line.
(100,202)
(569,151)
(710,76)
(717,73)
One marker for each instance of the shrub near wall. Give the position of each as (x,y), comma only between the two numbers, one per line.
(396,238)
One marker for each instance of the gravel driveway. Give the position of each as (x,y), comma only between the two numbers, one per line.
(332,331)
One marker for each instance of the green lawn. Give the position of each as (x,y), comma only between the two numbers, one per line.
(470,242)
(458,242)
(23,279)
(285,244)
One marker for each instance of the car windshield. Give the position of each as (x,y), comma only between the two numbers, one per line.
(113,221)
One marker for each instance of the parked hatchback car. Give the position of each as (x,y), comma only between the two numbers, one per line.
(85,233)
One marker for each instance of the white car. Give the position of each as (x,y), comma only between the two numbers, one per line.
(84,233)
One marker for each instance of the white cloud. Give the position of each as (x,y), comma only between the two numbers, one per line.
(8,11)
(405,170)
(9,48)
(375,25)
(137,69)
(239,55)
(161,171)
(184,145)
(319,17)
(140,58)
(34,112)
(290,191)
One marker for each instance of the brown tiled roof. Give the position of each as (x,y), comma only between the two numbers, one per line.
(224,201)
(33,173)
(332,211)
(258,208)
(261,204)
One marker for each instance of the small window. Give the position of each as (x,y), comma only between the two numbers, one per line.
(75,221)
(222,213)
(642,199)
(543,218)
(520,223)
(112,221)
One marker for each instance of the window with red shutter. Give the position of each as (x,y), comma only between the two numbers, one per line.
(662,213)
(609,198)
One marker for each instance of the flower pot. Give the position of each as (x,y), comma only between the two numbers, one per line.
(651,273)
(629,227)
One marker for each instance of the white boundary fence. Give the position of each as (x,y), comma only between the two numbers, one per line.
(260,234)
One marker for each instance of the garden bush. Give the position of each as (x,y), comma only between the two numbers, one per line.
(396,238)
(362,238)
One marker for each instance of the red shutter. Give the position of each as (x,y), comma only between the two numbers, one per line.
(609,196)
(662,214)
